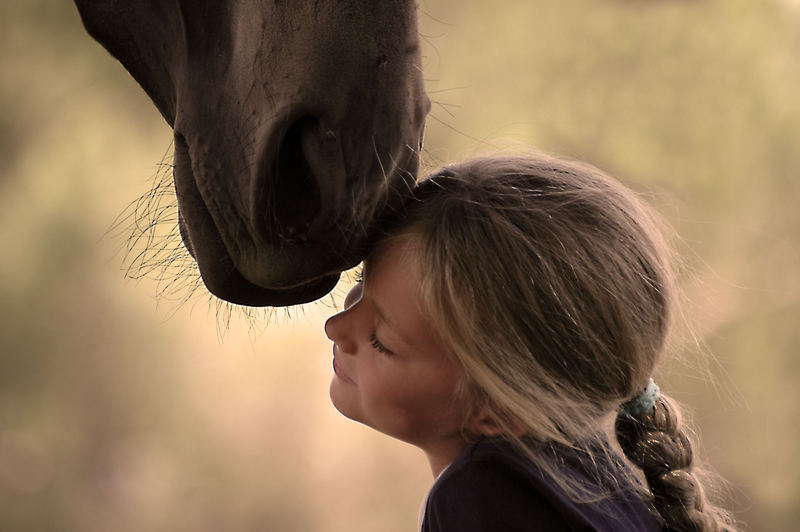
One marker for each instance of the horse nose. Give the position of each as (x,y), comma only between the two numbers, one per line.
(309,180)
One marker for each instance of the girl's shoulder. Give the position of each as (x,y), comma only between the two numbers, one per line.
(491,486)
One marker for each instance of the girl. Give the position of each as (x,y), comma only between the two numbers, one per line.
(507,323)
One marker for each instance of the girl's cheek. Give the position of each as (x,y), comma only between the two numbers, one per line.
(370,384)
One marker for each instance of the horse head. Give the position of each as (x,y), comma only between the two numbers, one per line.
(295,125)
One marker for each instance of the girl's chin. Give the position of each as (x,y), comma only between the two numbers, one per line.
(342,403)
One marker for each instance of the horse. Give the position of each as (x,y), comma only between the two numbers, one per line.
(296,124)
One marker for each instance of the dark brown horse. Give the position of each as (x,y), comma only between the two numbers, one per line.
(296,122)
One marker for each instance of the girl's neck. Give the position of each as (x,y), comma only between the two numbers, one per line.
(442,455)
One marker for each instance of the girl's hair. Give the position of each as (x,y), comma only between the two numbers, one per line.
(550,284)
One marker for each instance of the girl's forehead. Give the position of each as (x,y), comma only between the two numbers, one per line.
(398,251)
(390,285)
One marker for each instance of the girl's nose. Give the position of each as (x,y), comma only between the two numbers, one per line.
(339,328)
(337,331)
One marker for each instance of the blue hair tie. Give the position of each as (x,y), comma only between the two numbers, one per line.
(643,402)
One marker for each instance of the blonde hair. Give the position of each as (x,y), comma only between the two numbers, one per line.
(550,284)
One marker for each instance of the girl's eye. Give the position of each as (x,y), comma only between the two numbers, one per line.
(359,274)
(379,346)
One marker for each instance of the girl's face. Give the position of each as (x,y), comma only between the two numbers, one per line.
(390,370)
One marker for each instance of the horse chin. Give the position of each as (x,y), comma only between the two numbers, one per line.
(225,281)
(240,291)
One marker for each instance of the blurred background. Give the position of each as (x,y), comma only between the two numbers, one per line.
(123,411)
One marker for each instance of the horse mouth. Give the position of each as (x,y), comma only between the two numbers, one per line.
(205,243)
(227,283)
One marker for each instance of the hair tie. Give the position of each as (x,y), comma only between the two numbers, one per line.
(643,402)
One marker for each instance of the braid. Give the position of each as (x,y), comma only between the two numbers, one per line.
(656,443)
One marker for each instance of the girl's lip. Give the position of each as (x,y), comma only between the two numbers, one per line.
(338,371)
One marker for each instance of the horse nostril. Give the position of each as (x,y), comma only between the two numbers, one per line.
(296,199)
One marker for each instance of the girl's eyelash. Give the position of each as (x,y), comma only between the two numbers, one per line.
(359,274)
(378,346)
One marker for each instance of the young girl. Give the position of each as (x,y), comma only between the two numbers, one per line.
(508,323)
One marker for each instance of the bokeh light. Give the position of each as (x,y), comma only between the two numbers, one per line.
(123,411)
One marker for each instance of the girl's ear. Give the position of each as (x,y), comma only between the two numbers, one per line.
(484,423)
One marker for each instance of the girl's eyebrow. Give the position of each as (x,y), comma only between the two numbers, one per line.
(378,310)
(383,316)
(389,323)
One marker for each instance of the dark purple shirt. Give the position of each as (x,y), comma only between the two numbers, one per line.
(491,487)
